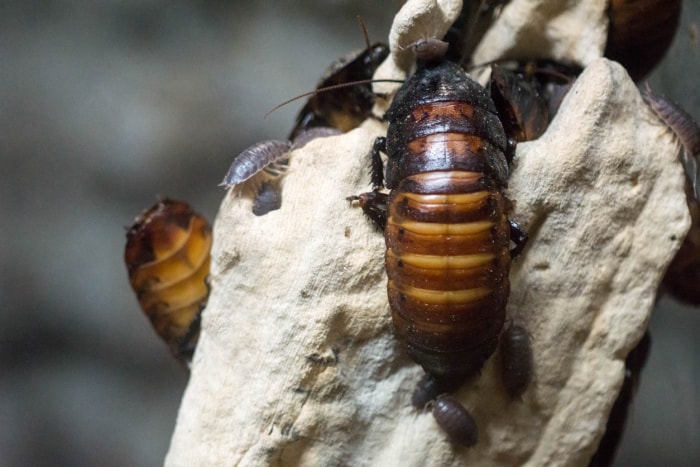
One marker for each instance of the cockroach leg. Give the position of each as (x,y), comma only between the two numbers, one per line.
(517,236)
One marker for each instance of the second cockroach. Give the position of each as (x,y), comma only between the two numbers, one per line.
(332,109)
(167,256)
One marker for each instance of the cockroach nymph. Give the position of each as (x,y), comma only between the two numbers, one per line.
(454,420)
(446,228)
(516,358)
(167,256)
(327,112)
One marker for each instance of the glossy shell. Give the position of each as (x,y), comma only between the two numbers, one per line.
(344,108)
(167,256)
(447,232)
(640,32)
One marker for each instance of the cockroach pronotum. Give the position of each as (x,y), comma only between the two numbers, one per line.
(332,109)
(167,256)
(683,275)
(445,223)
(455,420)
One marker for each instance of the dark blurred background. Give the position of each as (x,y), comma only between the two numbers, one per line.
(106,105)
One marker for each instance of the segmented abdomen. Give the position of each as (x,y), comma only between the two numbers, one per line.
(448,257)
(167,256)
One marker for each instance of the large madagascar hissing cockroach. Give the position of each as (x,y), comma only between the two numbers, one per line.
(167,256)
(445,222)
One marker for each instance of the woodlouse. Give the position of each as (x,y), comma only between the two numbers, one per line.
(455,420)
(516,359)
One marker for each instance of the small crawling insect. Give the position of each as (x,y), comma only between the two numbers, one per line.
(167,256)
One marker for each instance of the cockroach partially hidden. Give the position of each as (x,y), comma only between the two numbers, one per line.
(446,228)
(167,256)
(329,111)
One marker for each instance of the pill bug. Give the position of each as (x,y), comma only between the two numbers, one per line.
(167,256)
(427,390)
(454,420)
(516,359)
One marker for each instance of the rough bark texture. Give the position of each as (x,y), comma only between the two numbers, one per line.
(297,363)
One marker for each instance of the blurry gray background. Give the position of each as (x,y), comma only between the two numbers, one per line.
(105,105)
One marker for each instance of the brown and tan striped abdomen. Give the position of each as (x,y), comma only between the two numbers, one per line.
(167,256)
(448,260)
